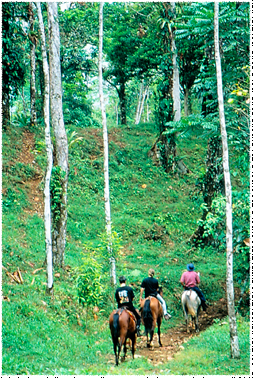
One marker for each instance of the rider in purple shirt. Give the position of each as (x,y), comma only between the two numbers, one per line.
(190,280)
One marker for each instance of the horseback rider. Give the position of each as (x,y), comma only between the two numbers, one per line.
(151,287)
(124,296)
(190,280)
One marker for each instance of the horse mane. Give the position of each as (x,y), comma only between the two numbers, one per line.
(147,315)
(115,326)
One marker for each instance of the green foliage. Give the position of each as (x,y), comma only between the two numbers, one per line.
(214,225)
(89,281)
(21,120)
(56,192)
(208,354)
(144,200)
(14,39)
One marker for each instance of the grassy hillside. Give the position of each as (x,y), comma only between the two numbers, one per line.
(153,213)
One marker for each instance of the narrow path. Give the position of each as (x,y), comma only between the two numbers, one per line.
(174,338)
(35,194)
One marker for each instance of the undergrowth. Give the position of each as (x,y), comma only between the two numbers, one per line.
(153,213)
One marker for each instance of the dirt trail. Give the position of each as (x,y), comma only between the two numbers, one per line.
(174,338)
(35,194)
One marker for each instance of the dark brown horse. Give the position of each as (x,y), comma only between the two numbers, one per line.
(122,326)
(151,314)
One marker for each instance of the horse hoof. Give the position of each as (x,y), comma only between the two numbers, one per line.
(148,345)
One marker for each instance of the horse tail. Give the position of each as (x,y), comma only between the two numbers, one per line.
(115,326)
(190,305)
(147,316)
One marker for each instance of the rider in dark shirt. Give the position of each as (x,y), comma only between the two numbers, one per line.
(151,287)
(124,296)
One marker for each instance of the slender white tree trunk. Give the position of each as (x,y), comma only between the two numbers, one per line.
(61,142)
(175,78)
(234,344)
(106,153)
(147,99)
(139,104)
(49,149)
(117,113)
(32,67)
(142,97)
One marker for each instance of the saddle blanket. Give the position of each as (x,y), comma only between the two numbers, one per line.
(129,312)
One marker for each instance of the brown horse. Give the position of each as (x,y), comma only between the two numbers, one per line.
(151,314)
(122,326)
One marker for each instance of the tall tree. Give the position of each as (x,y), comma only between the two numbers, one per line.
(49,149)
(234,344)
(33,41)
(13,53)
(106,152)
(175,77)
(130,45)
(61,143)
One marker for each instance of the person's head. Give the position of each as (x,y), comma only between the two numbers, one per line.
(190,267)
(122,279)
(151,272)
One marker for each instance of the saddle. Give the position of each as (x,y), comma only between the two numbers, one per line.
(120,310)
(188,292)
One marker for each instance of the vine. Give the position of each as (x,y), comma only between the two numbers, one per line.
(56,193)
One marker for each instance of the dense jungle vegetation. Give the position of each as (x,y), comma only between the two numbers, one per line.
(167,209)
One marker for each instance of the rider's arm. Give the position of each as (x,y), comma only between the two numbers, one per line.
(197,279)
(142,289)
(182,280)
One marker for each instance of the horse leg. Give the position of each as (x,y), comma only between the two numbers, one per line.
(133,339)
(115,344)
(152,332)
(196,322)
(125,350)
(186,319)
(159,321)
(187,323)
(122,341)
(148,342)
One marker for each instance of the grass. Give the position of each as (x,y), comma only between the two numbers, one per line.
(58,336)
(209,353)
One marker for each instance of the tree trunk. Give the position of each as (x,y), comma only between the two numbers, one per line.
(61,143)
(5,76)
(234,344)
(186,102)
(139,103)
(117,113)
(175,78)
(47,210)
(147,100)
(6,108)
(144,94)
(122,103)
(213,183)
(33,119)
(106,153)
